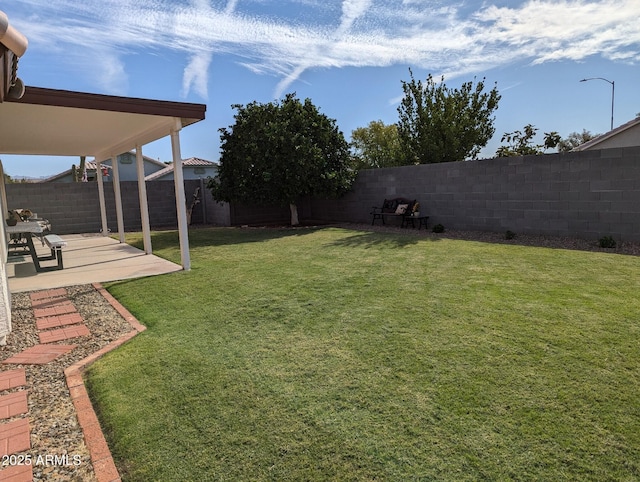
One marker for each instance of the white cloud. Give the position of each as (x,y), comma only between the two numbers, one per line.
(231,6)
(445,36)
(351,11)
(196,74)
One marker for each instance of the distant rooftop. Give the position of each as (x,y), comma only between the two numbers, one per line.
(191,162)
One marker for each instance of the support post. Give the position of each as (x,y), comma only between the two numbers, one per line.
(144,205)
(116,190)
(181,207)
(103,205)
(203,202)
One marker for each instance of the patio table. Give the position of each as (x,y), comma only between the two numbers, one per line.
(21,236)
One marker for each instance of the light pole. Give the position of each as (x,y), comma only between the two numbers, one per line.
(613,92)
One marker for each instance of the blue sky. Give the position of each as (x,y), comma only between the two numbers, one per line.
(348,57)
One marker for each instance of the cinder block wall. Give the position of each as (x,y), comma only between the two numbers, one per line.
(75,207)
(583,194)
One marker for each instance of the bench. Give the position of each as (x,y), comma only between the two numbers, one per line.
(55,244)
(399,207)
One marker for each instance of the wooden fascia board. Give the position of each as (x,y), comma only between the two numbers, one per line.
(188,112)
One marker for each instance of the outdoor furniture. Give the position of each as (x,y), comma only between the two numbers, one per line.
(55,243)
(21,243)
(398,207)
(422,221)
(20,237)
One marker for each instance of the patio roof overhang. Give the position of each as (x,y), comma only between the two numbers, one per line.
(64,123)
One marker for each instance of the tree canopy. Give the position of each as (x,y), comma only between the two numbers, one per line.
(441,124)
(278,152)
(575,139)
(520,143)
(376,145)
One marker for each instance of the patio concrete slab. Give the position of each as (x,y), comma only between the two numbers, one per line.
(88,258)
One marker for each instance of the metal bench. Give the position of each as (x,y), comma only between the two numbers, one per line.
(55,243)
(398,207)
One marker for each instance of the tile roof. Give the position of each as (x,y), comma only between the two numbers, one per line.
(195,161)
(191,162)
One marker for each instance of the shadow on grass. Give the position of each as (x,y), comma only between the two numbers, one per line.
(202,237)
(375,239)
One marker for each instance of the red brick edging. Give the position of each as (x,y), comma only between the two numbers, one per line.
(103,465)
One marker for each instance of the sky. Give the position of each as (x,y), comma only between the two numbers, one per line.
(349,57)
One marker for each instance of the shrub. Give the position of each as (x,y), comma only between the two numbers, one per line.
(509,235)
(438,228)
(607,242)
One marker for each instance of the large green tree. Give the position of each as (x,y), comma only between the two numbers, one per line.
(441,124)
(278,152)
(376,145)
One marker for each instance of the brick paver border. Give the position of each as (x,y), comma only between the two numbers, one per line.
(58,321)
(66,333)
(39,354)
(17,473)
(101,459)
(47,294)
(55,310)
(15,436)
(13,404)
(13,378)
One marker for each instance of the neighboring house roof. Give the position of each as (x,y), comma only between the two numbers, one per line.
(195,161)
(626,135)
(191,162)
(89,166)
(148,160)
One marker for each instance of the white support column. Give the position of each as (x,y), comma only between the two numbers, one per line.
(103,204)
(5,294)
(144,206)
(116,190)
(181,207)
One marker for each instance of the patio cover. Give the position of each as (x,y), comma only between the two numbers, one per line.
(64,123)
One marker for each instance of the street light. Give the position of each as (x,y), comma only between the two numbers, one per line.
(613,92)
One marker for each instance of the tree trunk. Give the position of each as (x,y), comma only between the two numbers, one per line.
(294,214)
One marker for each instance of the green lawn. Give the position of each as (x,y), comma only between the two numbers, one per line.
(330,354)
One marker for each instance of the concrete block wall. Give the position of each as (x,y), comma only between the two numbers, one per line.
(75,207)
(586,194)
(71,207)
